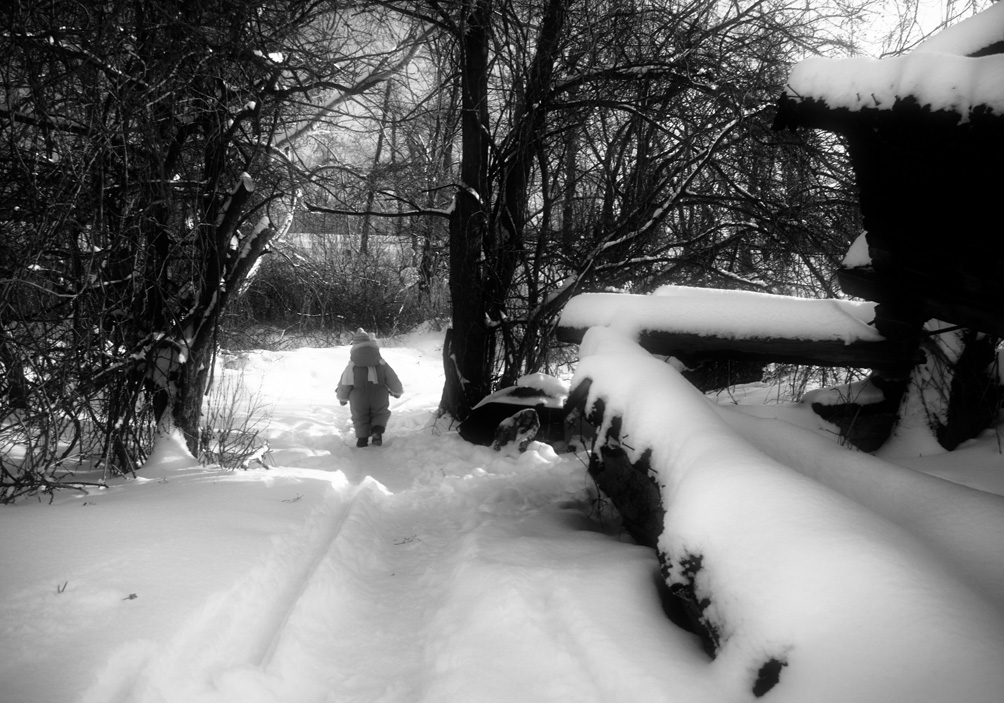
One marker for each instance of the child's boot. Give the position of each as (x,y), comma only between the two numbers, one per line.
(362,442)
(377,435)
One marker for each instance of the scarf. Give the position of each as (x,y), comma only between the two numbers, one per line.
(347,375)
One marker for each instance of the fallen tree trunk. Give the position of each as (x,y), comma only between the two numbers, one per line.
(742,524)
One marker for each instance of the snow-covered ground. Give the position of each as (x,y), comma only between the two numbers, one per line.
(428,569)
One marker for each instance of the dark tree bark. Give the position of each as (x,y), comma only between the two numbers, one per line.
(470,352)
(975,392)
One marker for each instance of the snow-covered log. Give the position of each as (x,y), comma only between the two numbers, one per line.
(696,325)
(810,572)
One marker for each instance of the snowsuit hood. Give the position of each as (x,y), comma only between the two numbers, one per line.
(365,354)
(365,350)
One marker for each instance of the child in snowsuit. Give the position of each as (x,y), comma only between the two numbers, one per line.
(366,383)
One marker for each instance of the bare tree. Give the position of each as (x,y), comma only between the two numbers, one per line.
(607,143)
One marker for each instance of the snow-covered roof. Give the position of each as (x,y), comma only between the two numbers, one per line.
(948,72)
(730,314)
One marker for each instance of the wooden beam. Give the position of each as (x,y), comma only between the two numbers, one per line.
(693,348)
(972,304)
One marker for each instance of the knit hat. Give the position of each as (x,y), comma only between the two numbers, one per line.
(361,336)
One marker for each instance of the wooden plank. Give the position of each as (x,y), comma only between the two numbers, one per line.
(693,348)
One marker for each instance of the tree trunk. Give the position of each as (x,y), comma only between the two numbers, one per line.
(16,390)
(469,351)
(192,385)
(508,250)
(367,229)
(225,271)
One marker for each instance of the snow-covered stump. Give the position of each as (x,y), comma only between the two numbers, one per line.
(805,585)
(491,421)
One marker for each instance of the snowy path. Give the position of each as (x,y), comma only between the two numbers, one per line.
(421,595)
(426,570)
(357,630)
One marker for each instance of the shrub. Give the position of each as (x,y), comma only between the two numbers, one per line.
(234,423)
(305,292)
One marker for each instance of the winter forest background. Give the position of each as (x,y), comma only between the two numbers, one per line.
(184,176)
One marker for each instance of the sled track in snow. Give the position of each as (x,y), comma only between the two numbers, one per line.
(358,624)
(299,579)
(234,629)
